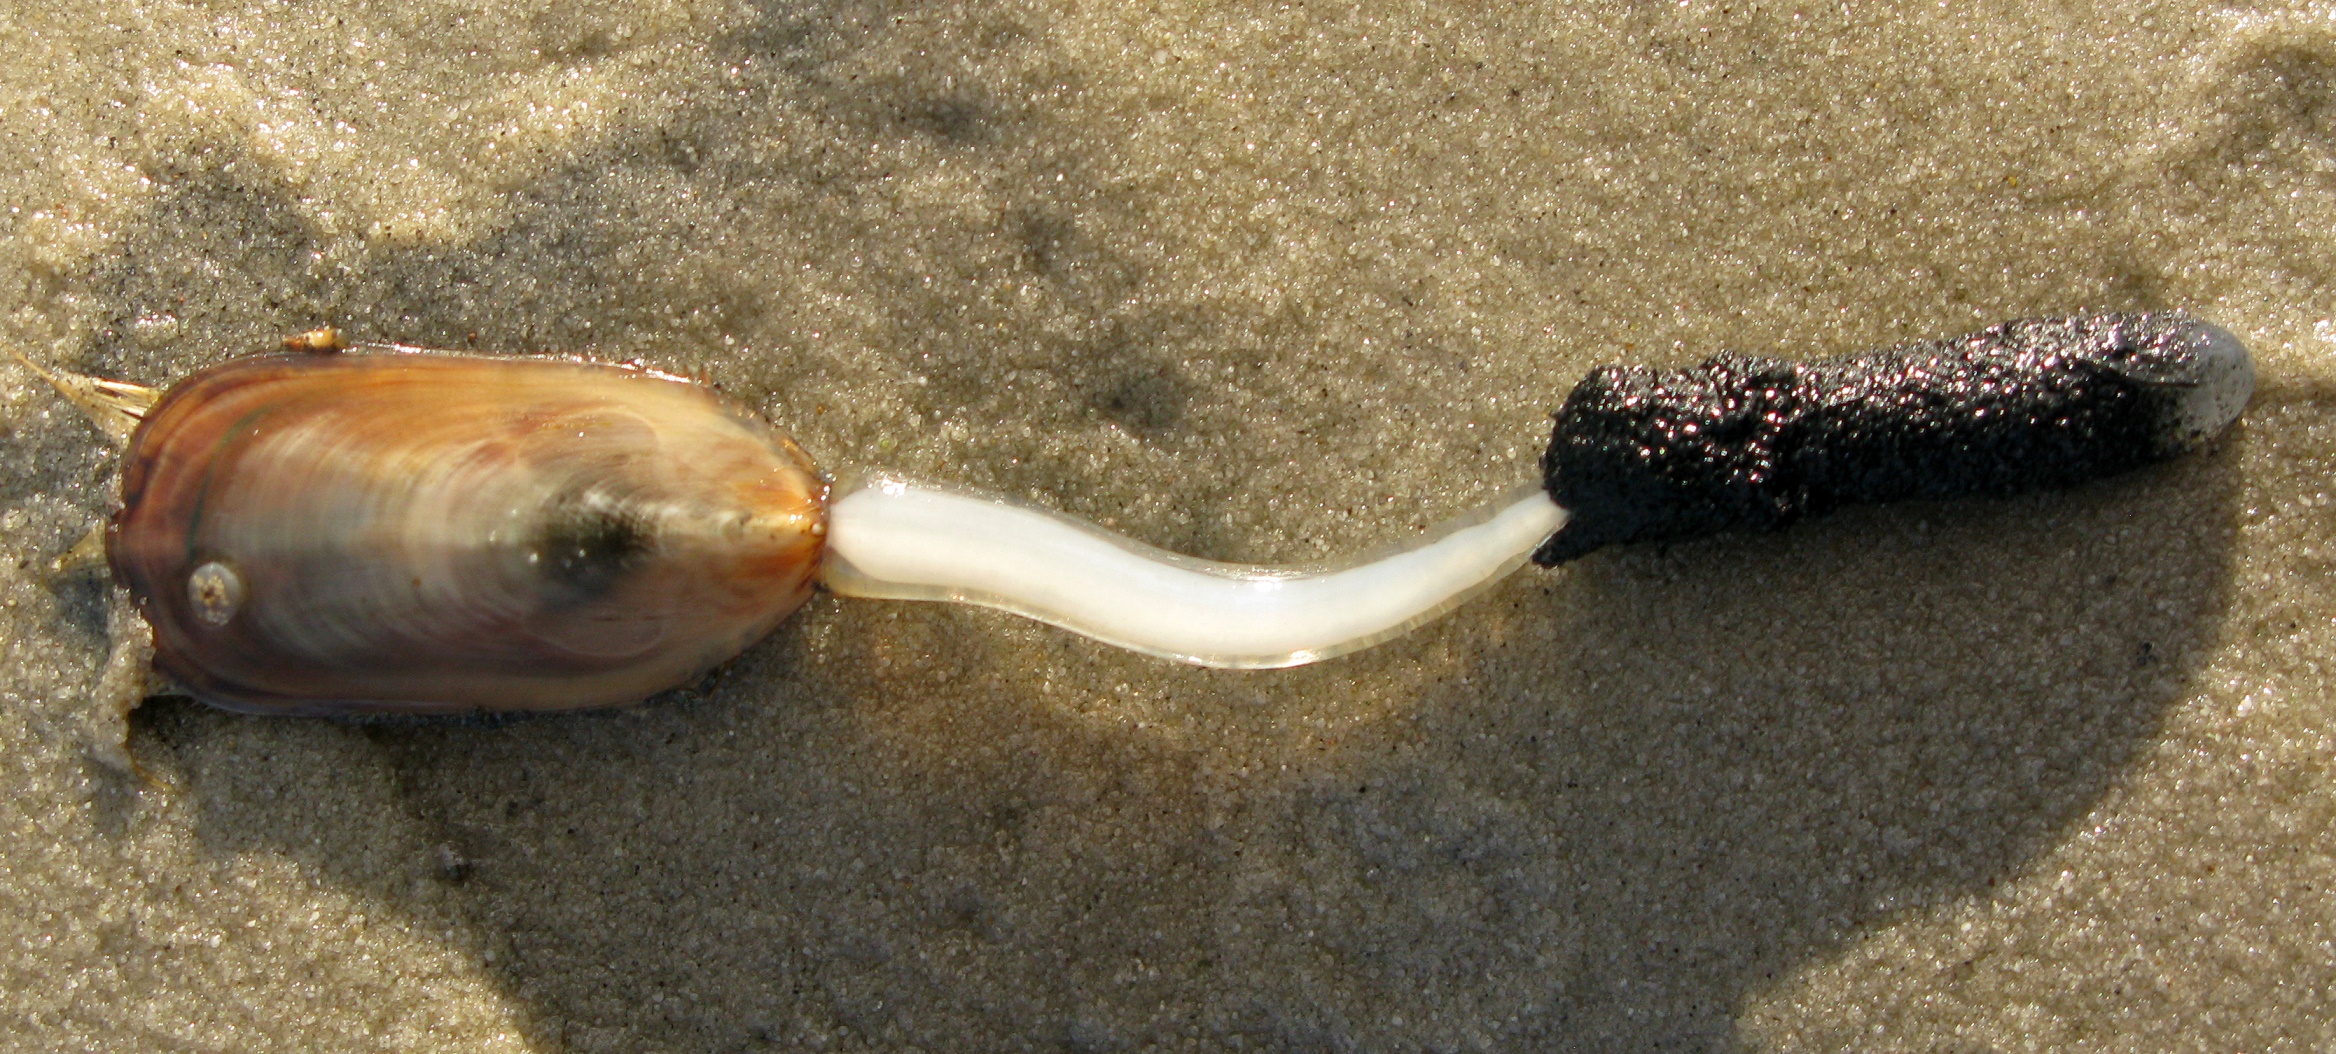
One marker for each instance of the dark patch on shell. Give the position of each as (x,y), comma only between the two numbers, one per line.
(588,543)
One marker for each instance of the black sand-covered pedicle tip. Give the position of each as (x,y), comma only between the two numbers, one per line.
(1750,444)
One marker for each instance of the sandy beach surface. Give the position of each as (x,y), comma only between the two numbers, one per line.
(1254,282)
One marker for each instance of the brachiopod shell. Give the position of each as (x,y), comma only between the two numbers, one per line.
(427,532)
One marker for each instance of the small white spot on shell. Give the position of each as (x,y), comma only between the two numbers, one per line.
(216,592)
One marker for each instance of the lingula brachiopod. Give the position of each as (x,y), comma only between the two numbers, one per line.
(383,528)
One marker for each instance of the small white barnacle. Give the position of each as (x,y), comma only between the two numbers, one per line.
(215,593)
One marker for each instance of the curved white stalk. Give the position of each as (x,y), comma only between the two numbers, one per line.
(894,539)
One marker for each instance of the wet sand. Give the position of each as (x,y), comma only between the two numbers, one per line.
(1253,283)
